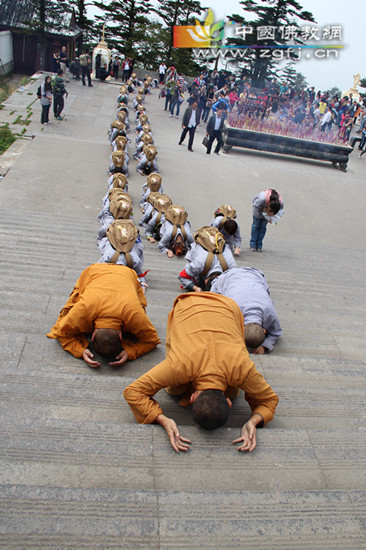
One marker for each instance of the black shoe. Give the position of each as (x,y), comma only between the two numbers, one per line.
(190,149)
(84,84)
(180,142)
(90,85)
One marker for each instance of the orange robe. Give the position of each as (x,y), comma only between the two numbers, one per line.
(106,296)
(205,349)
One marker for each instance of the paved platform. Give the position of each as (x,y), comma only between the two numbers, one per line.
(76,470)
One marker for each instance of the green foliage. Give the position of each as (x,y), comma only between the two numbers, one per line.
(300,82)
(334,91)
(46,14)
(126,21)
(363,83)
(153,47)
(23,121)
(178,12)
(275,13)
(131,30)
(6,138)
(24,81)
(5,90)
(293,78)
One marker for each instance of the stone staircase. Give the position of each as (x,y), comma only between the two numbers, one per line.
(76,470)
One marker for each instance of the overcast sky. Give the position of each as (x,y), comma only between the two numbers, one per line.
(325,73)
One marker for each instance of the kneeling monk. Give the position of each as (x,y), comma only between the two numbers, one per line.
(107,300)
(206,362)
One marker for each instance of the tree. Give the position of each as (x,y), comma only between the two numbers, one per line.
(177,12)
(83,22)
(334,91)
(269,13)
(289,74)
(300,83)
(153,47)
(126,22)
(43,15)
(362,83)
(295,79)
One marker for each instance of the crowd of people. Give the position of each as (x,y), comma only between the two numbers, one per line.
(230,304)
(241,103)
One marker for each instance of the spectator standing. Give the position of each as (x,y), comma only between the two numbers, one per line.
(55,61)
(126,69)
(214,131)
(162,71)
(85,63)
(59,91)
(46,99)
(189,124)
(115,66)
(64,62)
(177,99)
(209,102)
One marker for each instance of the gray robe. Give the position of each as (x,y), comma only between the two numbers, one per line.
(166,232)
(248,287)
(196,259)
(231,240)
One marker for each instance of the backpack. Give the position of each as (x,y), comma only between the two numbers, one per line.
(225,212)
(151,197)
(213,241)
(147,139)
(116,192)
(39,92)
(84,60)
(119,125)
(161,203)
(150,152)
(177,216)
(121,116)
(58,86)
(120,204)
(121,142)
(154,181)
(120,181)
(118,160)
(122,235)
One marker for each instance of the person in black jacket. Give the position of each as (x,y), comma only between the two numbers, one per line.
(59,91)
(189,124)
(214,131)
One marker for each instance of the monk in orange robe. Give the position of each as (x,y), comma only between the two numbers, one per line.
(207,362)
(107,301)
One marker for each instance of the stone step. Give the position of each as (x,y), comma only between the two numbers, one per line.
(91,518)
(127,456)
(65,388)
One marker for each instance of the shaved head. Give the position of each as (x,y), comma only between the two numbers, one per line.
(107,342)
(254,335)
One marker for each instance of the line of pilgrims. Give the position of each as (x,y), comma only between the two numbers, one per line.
(209,251)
